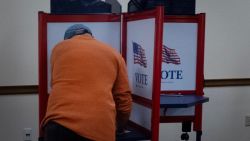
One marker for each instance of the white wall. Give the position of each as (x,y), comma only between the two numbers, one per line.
(227,38)
(19,41)
(19,65)
(227,33)
(124,4)
(18,112)
(223,117)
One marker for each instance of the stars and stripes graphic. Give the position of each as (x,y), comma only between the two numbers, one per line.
(139,55)
(169,55)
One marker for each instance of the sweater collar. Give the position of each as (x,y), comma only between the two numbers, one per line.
(83,36)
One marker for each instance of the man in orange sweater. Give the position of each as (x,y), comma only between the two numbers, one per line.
(90,97)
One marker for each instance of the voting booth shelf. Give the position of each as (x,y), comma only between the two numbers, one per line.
(164,56)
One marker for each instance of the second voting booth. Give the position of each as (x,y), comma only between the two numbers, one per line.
(164,56)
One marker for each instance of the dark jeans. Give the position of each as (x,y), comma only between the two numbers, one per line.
(56,132)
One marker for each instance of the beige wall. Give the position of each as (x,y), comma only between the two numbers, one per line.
(19,41)
(227,38)
(18,112)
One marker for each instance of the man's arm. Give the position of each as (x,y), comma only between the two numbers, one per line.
(122,96)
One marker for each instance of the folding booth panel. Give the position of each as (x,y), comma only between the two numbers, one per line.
(179,57)
(140,57)
(105,27)
(182,70)
(142,43)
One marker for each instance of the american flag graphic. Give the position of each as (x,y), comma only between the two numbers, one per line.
(139,55)
(169,55)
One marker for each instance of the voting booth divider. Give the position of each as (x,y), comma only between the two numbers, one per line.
(182,74)
(164,56)
(142,49)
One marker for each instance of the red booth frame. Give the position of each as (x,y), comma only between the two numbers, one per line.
(197,118)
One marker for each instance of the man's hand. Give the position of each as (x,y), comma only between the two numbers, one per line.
(121,123)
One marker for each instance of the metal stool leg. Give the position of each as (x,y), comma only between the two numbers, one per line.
(186,127)
(198,135)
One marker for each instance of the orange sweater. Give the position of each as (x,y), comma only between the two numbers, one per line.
(89,86)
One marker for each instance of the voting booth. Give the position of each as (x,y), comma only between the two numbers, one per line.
(171,49)
(164,56)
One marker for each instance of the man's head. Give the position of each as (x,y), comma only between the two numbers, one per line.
(76,29)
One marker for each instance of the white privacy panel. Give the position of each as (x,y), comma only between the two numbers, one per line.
(107,32)
(140,56)
(141,115)
(179,56)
